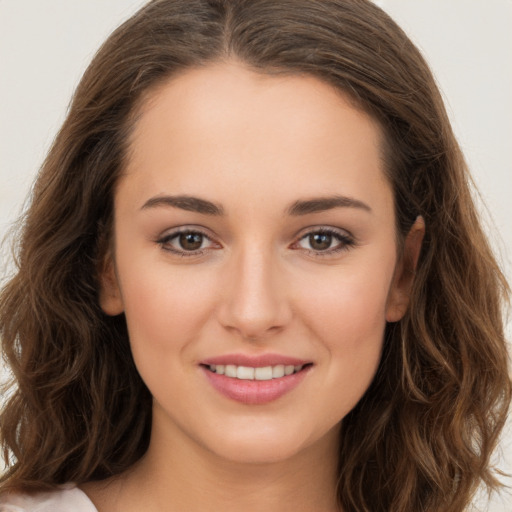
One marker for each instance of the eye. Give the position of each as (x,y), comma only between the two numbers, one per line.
(325,241)
(190,241)
(186,242)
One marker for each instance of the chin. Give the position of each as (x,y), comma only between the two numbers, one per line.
(261,451)
(268,445)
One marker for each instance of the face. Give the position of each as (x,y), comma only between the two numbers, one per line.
(255,259)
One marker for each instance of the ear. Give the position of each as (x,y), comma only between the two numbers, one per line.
(110,298)
(400,291)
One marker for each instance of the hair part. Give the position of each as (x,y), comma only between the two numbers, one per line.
(422,435)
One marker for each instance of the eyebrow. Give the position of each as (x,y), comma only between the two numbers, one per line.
(321,204)
(189,203)
(300,207)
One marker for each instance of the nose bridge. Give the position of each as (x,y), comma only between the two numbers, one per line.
(255,301)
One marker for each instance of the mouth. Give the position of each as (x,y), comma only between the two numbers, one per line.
(258,383)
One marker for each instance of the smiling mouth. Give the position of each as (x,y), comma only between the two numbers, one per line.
(255,385)
(255,373)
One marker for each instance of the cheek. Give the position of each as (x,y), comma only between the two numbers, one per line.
(166,310)
(352,333)
(352,305)
(351,326)
(164,306)
(348,319)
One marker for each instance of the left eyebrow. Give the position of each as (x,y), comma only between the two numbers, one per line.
(321,204)
(189,203)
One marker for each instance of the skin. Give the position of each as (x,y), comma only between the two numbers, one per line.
(253,145)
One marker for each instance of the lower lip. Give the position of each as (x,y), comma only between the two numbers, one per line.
(255,392)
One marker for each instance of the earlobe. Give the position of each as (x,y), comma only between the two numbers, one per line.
(400,291)
(109,294)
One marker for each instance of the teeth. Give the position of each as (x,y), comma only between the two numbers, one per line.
(264,373)
(249,373)
(230,370)
(245,373)
(278,371)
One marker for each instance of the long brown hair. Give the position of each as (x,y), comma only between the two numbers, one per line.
(422,435)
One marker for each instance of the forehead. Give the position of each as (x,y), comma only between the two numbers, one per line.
(225,123)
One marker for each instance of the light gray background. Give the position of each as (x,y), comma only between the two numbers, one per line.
(46,45)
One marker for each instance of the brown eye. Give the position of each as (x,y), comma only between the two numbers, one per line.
(190,241)
(326,242)
(187,243)
(320,241)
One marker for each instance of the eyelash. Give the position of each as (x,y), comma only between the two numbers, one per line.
(167,239)
(345,241)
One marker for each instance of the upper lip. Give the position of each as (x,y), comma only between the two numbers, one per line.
(254,361)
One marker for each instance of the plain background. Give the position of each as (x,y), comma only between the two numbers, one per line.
(46,45)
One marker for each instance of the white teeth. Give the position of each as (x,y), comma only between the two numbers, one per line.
(249,373)
(245,373)
(278,371)
(264,373)
(230,370)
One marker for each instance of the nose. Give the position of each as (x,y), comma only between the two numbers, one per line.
(254,303)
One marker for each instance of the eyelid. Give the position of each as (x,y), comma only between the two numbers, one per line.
(164,239)
(324,228)
(345,238)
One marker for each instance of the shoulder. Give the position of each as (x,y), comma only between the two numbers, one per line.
(67,499)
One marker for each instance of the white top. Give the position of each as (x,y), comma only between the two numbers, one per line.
(67,499)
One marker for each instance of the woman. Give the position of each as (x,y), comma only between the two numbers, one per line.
(252,275)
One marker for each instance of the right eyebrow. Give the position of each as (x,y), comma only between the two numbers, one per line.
(320,204)
(188,203)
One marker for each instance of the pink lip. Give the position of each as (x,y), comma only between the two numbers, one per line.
(254,392)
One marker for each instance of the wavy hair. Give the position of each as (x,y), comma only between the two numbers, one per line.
(421,437)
